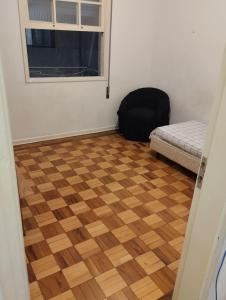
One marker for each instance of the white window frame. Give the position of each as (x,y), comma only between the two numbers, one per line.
(104,28)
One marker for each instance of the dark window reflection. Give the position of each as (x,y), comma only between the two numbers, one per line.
(57,53)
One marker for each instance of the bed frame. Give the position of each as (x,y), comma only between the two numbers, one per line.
(176,154)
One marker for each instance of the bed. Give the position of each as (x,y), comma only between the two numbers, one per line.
(182,143)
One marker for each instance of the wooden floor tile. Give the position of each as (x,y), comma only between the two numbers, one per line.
(77,274)
(180,197)
(97,228)
(166,215)
(35,199)
(53,285)
(66,191)
(37,251)
(157,193)
(88,194)
(56,203)
(154,220)
(177,244)
(65,296)
(136,190)
(98,264)
(158,182)
(33,236)
(87,248)
(88,290)
(180,210)
(150,262)
(167,253)
(132,202)
(79,235)
(146,289)
(167,232)
(95,203)
(155,206)
(124,294)
(107,241)
(26,213)
(139,227)
(63,213)
(51,230)
(93,183)
(103,211)
(167,297)
(118,255)
(174,266)
(31,275)
(67,257)
(123,234)
(45,187)
(114,186)
(88,217)
(45,219)
(164,279)
(79,208)
(70,223)
(45,266)
(35,291)
(128,216)
(110,282)
(152,239)
(131,271)
(136,247)
(29,224)
(110,198)
(59,242)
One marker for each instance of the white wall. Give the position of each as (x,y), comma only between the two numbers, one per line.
(187,48)
(51,109)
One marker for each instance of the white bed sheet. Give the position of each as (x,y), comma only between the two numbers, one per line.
(189,136)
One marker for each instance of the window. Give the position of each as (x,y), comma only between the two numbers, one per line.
(65,39)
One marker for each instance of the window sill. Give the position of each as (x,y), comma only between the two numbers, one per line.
(64,79)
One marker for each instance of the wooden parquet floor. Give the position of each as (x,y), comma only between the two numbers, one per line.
(103,219)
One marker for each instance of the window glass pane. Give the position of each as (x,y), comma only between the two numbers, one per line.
(57,53)
(40,10)
(90,15)
(66,12)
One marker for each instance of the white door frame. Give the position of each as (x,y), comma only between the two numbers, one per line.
(13,272)
(206,216)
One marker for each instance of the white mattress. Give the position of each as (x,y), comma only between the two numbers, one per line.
(189,136)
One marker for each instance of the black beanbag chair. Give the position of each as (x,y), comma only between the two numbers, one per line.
(141,111)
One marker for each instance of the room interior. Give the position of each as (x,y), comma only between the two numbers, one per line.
(104,217)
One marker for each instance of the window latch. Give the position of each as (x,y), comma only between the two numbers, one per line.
(108,92)
(202,172)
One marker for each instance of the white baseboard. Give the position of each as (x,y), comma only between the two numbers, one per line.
(62,135)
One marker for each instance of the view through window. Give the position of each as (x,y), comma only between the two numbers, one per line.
(57,53)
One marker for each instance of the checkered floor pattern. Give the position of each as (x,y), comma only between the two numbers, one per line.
(103,219)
